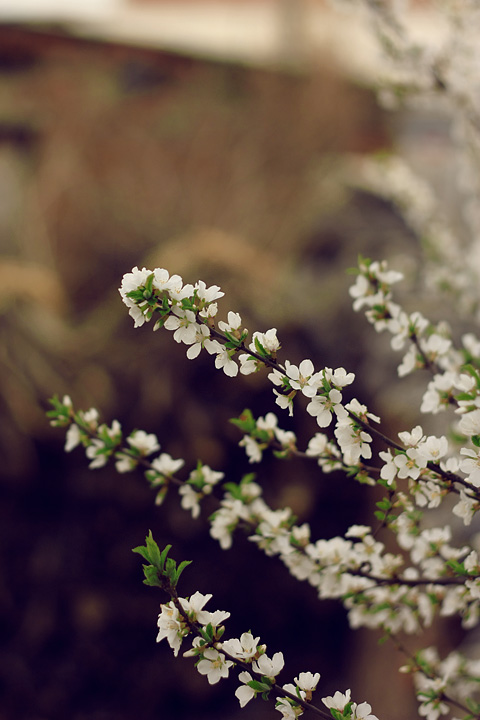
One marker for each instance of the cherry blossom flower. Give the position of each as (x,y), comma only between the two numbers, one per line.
(363,712)
(132,281)
(233,325)
(303,377)
(162,281)
(337,701)
(208,294)
(223,361)
(288,710)
(166,465)
(214,665)
(322,406)
(353,441)
(73,437)
(307,681)
(388,471)
(465,508)
(244,648)
(339,377)
(244,693)
(270,667)
(471,465)
(410,463)
(190,499)
(183,323)
(170,627)
(96,452)
(202,340)
(145,443)
(267,340)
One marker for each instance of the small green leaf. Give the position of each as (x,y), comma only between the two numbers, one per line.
(147,293)
(234,490)
(258,686)
(181,568)
(163,556)
(384,504)
(208,632)
(153,551)
(151,576)
(245,421)
(457,567)
(141,550)
(170,570)
(259,348)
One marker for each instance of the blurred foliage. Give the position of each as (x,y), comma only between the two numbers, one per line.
(112,157)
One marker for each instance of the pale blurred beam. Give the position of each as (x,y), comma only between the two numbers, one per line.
(293,36)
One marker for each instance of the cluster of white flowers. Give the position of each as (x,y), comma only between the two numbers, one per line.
(258,672)
(437,72)
(393,592)
(189,311)
(431,573)
(455,676)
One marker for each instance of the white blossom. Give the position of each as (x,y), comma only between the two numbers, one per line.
(166,465)
(244,648)
(214,665)
(170,627)
(338,700)
(270,667)
(145,443)
(208,294)
(223,361)
(244,693)
(184,325)
(73,437)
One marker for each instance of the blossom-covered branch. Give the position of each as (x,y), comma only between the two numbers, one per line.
(182,617)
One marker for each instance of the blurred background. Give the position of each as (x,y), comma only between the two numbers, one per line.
(204,137)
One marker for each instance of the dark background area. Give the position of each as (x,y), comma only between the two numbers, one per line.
(112,157)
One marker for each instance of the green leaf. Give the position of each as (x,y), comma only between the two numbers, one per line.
(151,576)
(136,295)
(147,293)
(233,342)
(181,568)
(473,705)
(259,348)
(258,686)
(465,396)
(234,489)
(163,555)
(153,551)
(382,640)
(245,421)
(220,631)
(170,570)
(208,632)
(187,304)
(457,567)
(384,504)
(142,550)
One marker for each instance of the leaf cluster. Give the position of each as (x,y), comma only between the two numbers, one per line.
(162,571)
